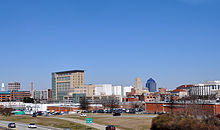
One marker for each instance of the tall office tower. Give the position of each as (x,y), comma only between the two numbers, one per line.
(67,83)
(3,87)
(151,85)
(13,86)
(137,84)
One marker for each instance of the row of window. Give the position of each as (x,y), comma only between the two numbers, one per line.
(63,78)
(212,86)
(64,74)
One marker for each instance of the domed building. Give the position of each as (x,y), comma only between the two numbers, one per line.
(151,85)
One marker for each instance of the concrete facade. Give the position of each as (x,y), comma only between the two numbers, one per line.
(205,89)
(138,84)
(67,83)
(13,86)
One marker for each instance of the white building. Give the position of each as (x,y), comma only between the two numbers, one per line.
(117,90)
(126,89)
(103,89)
(108,89)
(207,88)
(40,94)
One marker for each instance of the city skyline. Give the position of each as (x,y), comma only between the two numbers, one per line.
(174,42)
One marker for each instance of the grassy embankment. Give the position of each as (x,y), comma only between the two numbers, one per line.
(51,122)
(126,123)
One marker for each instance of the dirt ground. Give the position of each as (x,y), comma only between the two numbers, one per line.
(125,122)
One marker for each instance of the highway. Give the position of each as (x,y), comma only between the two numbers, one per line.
(22,126)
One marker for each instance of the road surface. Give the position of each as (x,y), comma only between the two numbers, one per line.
(22,126)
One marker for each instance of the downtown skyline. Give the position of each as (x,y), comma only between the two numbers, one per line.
(174,42)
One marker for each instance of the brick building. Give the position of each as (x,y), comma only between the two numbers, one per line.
(19,95)
(13,95)
(5,96)
(163,107)
(49,94)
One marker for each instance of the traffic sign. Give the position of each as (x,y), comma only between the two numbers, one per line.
(88,120)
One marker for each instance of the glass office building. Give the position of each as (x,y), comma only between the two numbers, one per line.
(151,85)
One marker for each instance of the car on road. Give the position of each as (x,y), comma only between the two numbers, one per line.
(83,115)
(32,125)
(12,125)
(116,114)
(110,127)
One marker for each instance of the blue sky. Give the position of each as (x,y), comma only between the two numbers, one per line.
(173,41)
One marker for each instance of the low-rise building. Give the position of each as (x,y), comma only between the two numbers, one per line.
(13,95)
(166,107)
(205,89)
(40,95)
(19,95)
(5,96)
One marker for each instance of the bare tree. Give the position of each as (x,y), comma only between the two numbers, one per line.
(84,103)
(136,105)
(110,102)
(6,111)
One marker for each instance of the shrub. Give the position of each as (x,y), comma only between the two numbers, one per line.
(180,122)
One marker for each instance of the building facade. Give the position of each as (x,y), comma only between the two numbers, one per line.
(67,83)
(40,95)
(151,85)
(49,94)
(13,86)
(19,95)
(138,84)
(205,89)
(5,96)
(126,89)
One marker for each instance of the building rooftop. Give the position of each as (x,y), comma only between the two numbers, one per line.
(4,92)
(178,90)
(184,86)
(69,71)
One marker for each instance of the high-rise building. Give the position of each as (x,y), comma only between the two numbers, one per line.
(67,83)
(13,86)
(151,85)
(137,84)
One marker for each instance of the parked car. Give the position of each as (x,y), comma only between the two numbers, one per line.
(83,115)
(100,111)
(32,125)
(218,115)
(34,115)
(116,114)
(110,127)
(11,125)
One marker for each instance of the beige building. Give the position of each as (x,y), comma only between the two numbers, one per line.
(13,86)
(137,84)
(67,83)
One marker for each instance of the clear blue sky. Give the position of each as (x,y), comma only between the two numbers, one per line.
(173,41)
